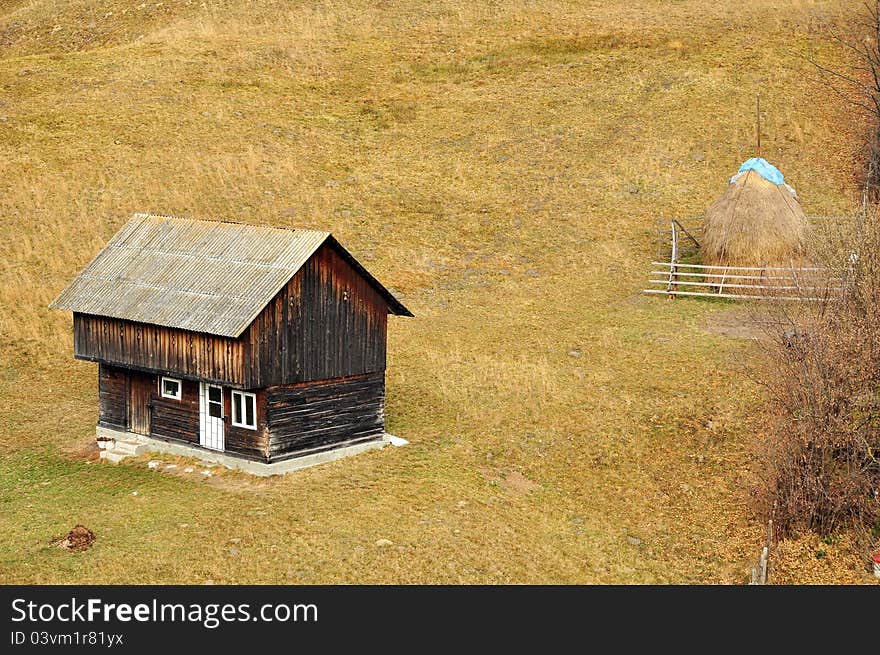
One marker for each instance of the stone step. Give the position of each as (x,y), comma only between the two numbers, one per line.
(128,447)
(112,456)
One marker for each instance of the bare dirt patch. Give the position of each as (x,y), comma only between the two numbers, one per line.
(736,323)
(77,540)
(512,483)
(84,450)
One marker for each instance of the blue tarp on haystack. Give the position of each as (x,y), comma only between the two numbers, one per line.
(763,168)
(766,170)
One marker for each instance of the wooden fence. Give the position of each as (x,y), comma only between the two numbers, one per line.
(686,232)
(682,276)
(740,282)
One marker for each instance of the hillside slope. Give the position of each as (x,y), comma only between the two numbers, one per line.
(502,168)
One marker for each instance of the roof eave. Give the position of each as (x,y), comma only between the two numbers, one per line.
(394,305)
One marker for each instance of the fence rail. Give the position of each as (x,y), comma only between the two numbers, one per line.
(680,278)
(741,282)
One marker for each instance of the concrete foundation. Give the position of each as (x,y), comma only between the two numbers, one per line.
(116,445)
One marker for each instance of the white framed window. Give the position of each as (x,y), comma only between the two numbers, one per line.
(169,388)
(244,410)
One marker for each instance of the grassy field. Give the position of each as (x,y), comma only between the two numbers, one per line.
(500,165)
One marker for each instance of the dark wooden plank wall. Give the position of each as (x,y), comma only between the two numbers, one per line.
(317,415)
(328,322)
(112,397)
(252,443)
(169,419)
(159,349)
(176,419)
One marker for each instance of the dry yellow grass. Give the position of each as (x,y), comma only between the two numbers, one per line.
(501,166)
(810,559)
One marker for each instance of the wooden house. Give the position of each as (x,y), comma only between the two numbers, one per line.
(263,343)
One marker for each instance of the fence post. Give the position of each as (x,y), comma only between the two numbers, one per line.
(762,564)
(723,278)
(670,288)
(659,238)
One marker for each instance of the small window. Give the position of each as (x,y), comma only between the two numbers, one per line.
(215,401)
(170,388)
(244,410)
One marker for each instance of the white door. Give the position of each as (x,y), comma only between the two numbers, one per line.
(211,416)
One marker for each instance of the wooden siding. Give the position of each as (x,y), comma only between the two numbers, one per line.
(244,441)
(328,322)
(112,397)
(176,419)
(159,349)
(317,415)
(290,419)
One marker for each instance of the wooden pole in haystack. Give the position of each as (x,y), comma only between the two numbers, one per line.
(758,112)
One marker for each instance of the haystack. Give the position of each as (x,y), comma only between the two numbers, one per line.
(757,222)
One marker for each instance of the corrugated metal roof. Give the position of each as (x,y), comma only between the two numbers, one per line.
(205,276)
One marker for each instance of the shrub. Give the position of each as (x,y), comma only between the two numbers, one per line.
(823,376)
